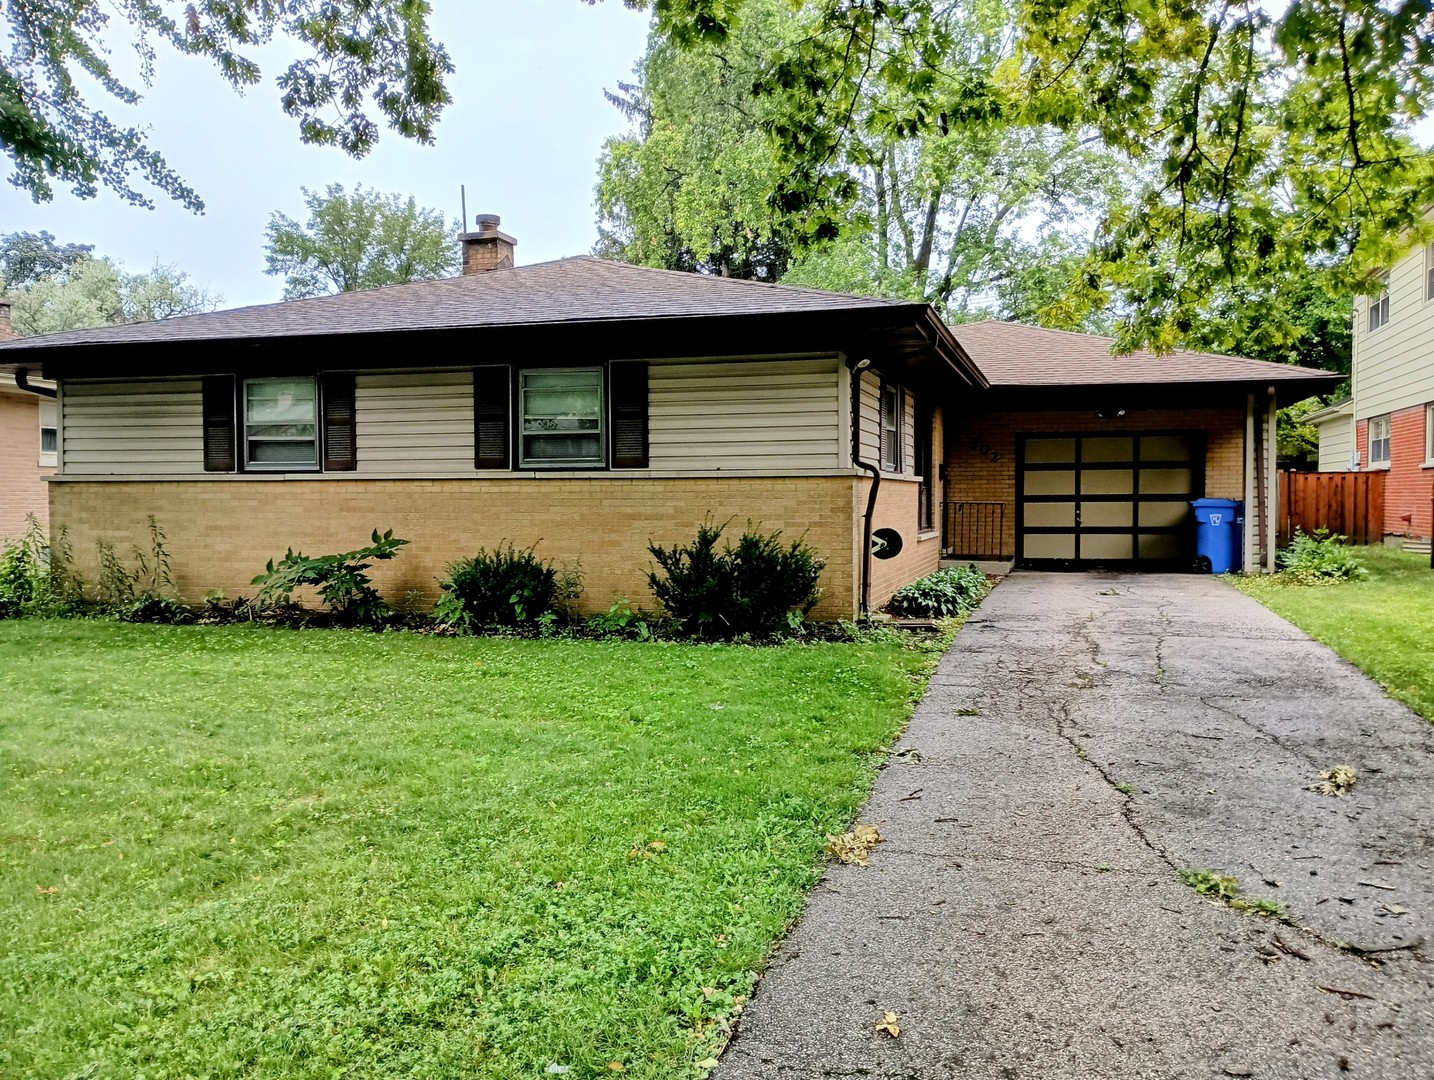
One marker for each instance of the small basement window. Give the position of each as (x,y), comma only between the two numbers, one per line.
(49,433)
(281,424)
(561,417)
(1379,441)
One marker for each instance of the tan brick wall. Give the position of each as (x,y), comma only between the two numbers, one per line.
(981,450)
(222,532)
(22,481)
(896,508)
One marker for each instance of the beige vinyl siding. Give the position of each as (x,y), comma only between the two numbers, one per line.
(870,424)
(149,428)
(870,417)
(1394,365)
(729,416)
(1336,443)
(415,423)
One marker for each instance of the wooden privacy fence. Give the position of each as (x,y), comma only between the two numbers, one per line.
(1347,503)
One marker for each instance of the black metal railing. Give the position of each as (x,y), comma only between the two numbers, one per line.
(975,530)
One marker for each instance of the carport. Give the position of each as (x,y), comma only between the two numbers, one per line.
(1079,459)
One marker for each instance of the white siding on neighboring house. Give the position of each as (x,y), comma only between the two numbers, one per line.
(775,415)
(1336,442)
(415,423)
(149,428)
(1394,365)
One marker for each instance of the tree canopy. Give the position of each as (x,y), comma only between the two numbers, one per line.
(364,62)
(359,240)
(1265,145)
(973,220)
(55,287)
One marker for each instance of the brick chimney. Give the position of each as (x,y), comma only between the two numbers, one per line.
(487,249)
(7,328)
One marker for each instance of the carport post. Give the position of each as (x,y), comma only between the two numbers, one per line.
(1249,557)
(1272,484)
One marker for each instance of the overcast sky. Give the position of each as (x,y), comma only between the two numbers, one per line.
(523,133)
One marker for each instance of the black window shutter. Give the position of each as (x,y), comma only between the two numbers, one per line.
(336,391)
(219,402)
(492,433)
(627,387)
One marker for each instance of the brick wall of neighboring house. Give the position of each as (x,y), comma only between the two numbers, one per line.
(1410,486)
(981,450)
(22,480)
(221,532)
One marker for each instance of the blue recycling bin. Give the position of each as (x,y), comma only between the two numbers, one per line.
(1218,534)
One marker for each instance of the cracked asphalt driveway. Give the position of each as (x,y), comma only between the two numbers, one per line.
(1085,739)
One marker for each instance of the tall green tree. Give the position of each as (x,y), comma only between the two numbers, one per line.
(971,219)
(99,292)
(1266,144)
(363,63)
(359,240)
(26,257)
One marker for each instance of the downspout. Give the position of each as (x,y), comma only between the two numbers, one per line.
(22,380)
(856,369)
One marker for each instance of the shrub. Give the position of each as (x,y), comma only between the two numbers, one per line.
(951,591)
(341,580)
(507,587)
(761,587)
(145,594)
(1318,558)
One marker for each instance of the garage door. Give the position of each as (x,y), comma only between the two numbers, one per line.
(1108,500)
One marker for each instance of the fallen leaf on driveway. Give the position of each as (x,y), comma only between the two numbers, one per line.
(1337,781)
(887,1025)
(707,1063)
(854,848)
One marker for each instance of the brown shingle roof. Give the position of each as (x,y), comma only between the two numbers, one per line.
(577,290)
(1010,354)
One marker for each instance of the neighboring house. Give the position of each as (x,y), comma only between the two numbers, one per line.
(28,433)
(1388,423)
(592,407)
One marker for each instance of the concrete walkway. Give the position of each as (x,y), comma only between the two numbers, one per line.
(1087,737)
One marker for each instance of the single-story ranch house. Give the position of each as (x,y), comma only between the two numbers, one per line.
(592,407)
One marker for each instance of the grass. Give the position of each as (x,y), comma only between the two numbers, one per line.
(1383,624)
(248,852)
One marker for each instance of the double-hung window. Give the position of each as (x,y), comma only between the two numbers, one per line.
(1429,272)
(560,417)
(49,432)
(890,427)
(1379,307)
(1429,434)
(281,424)
(1379,442)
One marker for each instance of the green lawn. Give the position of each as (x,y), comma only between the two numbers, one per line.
(249,852)
(1383,624)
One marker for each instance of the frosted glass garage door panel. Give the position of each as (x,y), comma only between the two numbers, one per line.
(1050,451)
(1107,482)
(1099,546)
(1158,546)
(1051,515)
(1165,448)
(1165,481)
(1107,514)
(1164,514)
(1107,449)
(1056,482)
(1050,546)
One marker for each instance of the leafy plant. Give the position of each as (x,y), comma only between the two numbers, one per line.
(341,581)
(506,587)
(36,573)
(761,587)
(1210,883)
(620,621)
(951,591)
(1318,559)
